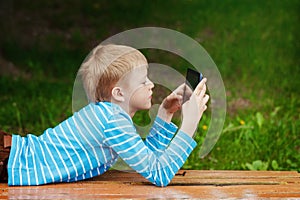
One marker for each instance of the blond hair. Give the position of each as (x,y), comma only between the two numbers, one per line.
(104,67)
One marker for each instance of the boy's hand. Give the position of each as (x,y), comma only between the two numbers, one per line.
(171,104)
(193,109)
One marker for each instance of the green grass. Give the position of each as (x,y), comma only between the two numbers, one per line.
(255,45)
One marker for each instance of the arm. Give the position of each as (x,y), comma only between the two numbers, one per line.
(121,135)
(163,129)
(160,135)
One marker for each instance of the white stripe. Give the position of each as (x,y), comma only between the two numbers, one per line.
(126,141)
(111,152)
(135,155)
(72,162)
(114,137)
(170,167)
(149,176)
(79,144)
(161,143)
(121,119)
(148,167)
(166,175)
(43,173)
(159,133)
(107,108)
(138,163)
(15,159)
(154,161)
(51,156)
(152,168)
(89,131)
(177,155)
(154,148)
(166,165)
(59,154)
(163,127)
(142,171)
(75,151)
(173,161)
(97,140)
(182,149)
(46,162)
(101,111)
(184,141)
(160,177)
(97,118)
(26,159)
(84,149)
(155,175)
(118,127)
(87,141)
(34,166)
(20,169)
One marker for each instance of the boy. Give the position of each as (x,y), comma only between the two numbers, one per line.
(88,143)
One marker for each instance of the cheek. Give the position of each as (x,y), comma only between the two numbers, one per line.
(137,96)
(140,94)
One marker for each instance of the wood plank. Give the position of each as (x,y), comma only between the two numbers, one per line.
(187,184)
(197,177)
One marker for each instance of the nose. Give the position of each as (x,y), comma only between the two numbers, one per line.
(151,84)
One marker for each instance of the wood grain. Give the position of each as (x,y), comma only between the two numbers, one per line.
(186,184)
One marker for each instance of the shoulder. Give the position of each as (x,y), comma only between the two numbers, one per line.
(109,111)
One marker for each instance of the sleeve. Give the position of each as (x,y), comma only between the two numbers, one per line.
(161,133)
(159,169)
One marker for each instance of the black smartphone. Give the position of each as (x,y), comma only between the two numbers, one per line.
(193,78)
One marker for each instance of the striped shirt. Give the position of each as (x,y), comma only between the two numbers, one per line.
(88,143)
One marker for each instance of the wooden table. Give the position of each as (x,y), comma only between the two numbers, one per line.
(186,184)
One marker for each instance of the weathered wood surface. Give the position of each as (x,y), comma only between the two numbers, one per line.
(186,184)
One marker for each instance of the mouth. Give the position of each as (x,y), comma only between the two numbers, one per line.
(150,96)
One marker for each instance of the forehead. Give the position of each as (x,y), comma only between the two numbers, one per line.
(139,71)
(134,76)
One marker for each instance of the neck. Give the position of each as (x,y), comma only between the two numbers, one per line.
(125,107)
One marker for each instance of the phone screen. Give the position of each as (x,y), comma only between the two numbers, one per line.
(192,80)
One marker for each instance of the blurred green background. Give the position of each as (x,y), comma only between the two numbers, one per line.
(255,45)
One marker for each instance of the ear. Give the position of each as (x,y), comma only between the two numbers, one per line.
(117,94)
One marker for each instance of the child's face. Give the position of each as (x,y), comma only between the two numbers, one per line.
(137,89)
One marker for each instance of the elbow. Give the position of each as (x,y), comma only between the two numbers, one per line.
(161,183)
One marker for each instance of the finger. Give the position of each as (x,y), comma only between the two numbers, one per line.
(202,92)
(172,100)
(188,90)
(173,96)
(202,100)
(200,86)
(200,95)
(205,99)
(180,89)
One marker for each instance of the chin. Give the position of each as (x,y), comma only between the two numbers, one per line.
(147,106)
